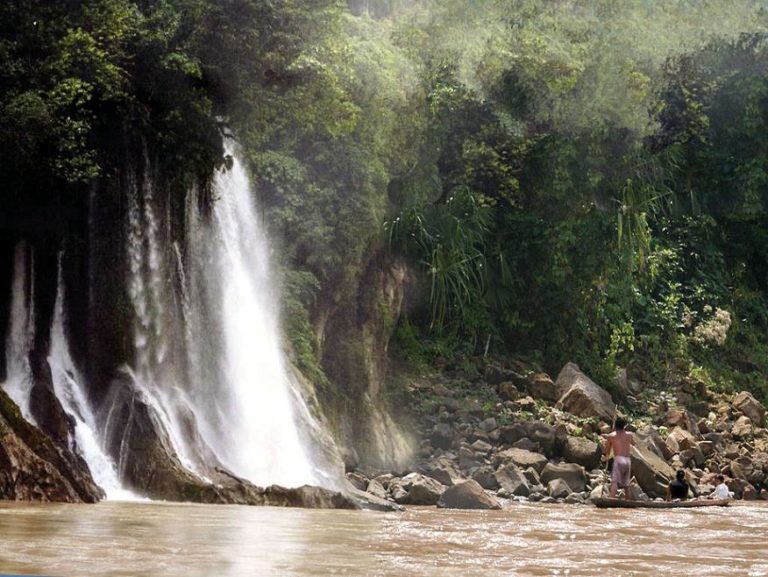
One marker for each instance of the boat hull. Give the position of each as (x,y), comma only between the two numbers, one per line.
(607,503)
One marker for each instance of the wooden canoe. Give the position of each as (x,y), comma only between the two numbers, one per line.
(607,503)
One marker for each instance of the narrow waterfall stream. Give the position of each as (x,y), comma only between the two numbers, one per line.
(21,334)
(67,384)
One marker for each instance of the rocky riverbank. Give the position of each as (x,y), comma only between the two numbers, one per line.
(492,433)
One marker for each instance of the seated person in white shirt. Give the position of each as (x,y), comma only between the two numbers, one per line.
(721,491)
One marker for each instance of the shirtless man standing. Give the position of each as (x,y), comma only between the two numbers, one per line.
(621,443)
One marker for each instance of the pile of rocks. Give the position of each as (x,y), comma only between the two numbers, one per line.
(529,438)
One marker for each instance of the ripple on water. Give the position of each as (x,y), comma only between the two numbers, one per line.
(525,540)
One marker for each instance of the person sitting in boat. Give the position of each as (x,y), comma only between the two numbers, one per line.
(721,491)
(620,443)
(677,490)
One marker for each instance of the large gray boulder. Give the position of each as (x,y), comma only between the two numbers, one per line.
(521,458)
(442,470)
(750,406)
(652,473)
(571,473)
(582,397)
(422,490)
(486,477)
(513,480)
(582,452)
(558,489)
(467,495)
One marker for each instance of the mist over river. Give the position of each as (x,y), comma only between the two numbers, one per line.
(142,538)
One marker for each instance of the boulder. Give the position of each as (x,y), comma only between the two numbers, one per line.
(742,428)
(495,374)
(373,502)
(707,448)
(422,490)
(681,438)
(513,480)
(694,455)
(582,397)
(541,386)
(736,486)
(488,424)
(652,473)
(468,459)
(574,499)
(676,418)
(653,441)
(307,497)
(532,475)
(467,495)
(396,491)
(481,446)
(582,452)
(376,489)
(526,444)
(749,493)
(486,477)
(358,480)
(521,458)
(558,489)
(571,473)
(750,406)
(540,434)
(442,436)
(442,470)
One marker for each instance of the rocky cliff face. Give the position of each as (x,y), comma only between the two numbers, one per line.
(34,467)
(354,333)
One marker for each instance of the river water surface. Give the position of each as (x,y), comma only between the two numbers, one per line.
(155,539)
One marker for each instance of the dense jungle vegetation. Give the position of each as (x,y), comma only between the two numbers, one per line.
(568,180)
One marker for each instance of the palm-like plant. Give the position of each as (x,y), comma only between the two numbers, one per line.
(448,241)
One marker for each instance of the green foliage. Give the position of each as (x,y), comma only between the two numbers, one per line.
(508,146)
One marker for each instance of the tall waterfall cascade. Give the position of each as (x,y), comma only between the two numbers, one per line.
(208,348)
(250,418)
(205,356)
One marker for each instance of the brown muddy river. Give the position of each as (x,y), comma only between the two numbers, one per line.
(156,539)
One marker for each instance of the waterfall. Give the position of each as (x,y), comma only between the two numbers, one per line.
(205,369)
(20,339)
(208,347)
(248,417)
(67,386)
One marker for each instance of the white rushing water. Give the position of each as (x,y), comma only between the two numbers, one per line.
(21,334)
(208,346)
(249,420)
(67,386)
(157,375)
